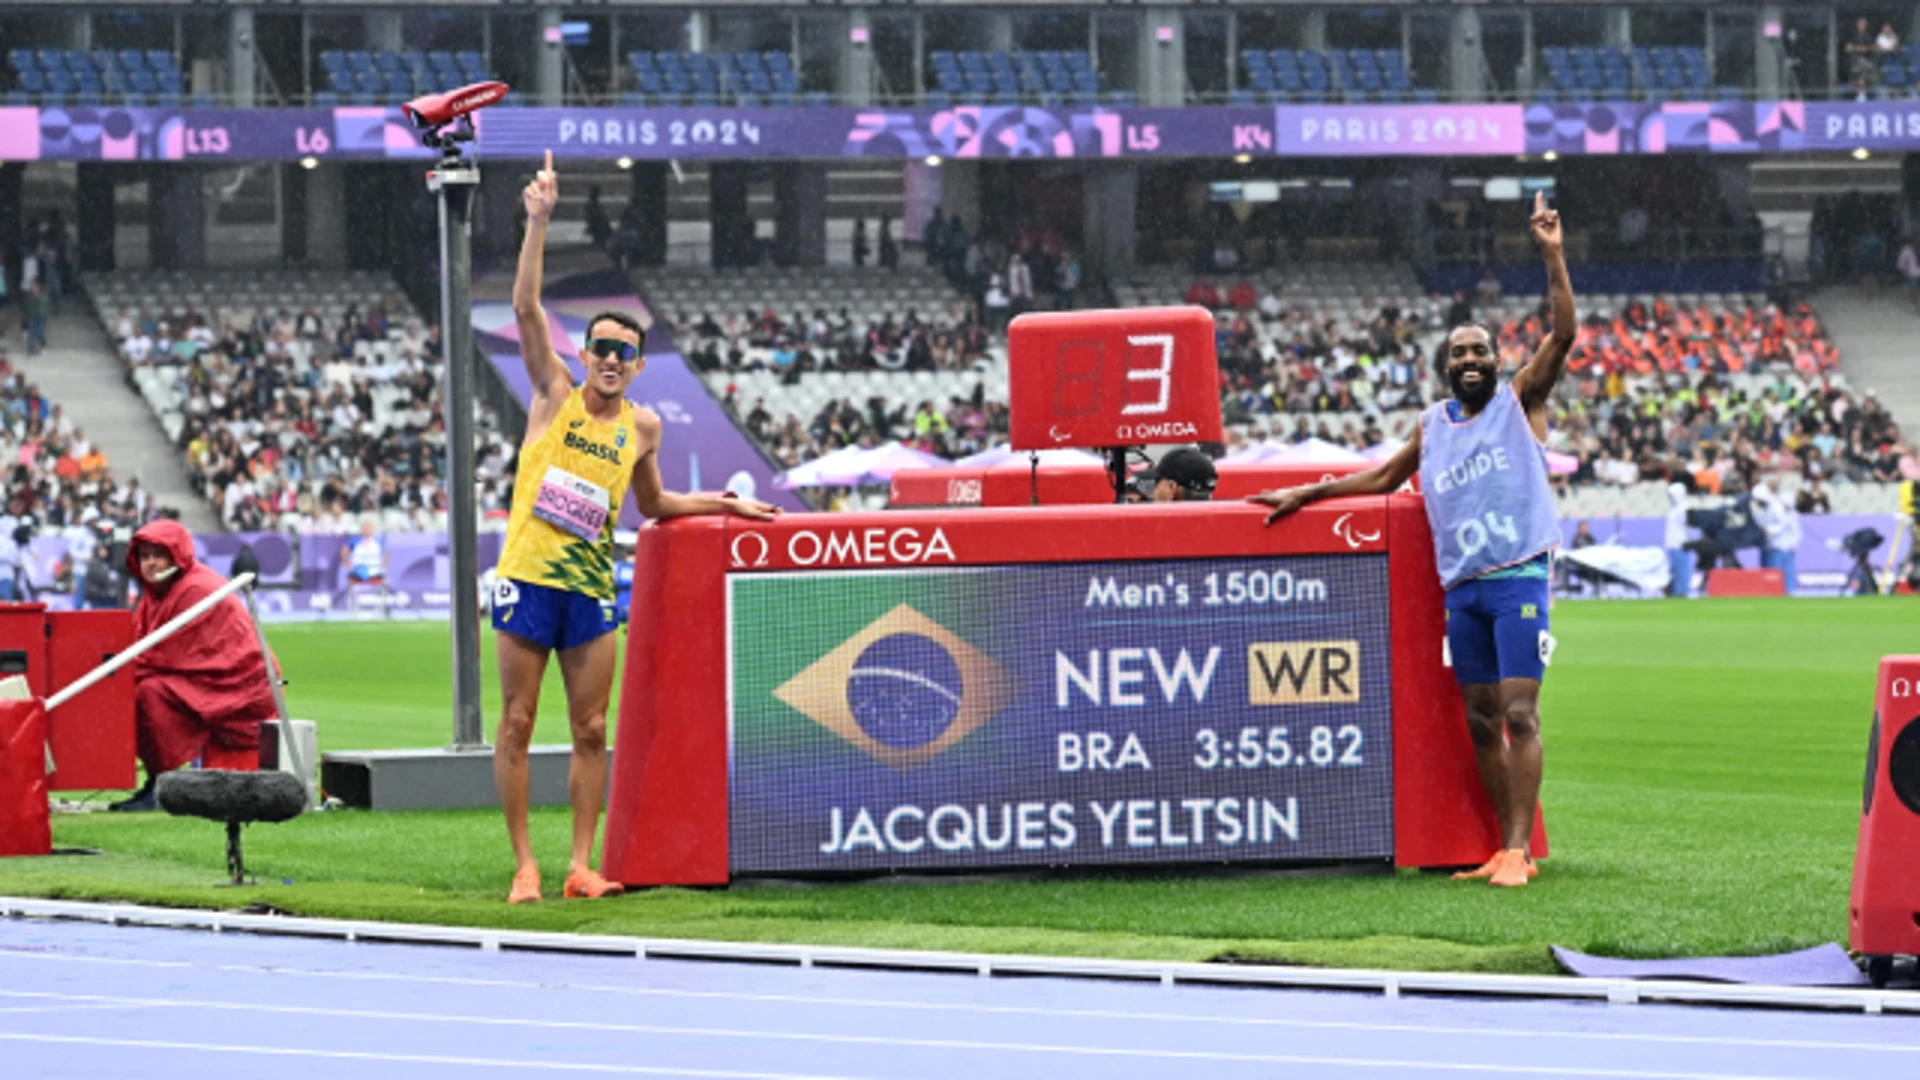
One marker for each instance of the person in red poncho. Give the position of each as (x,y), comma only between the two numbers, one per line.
(205,685)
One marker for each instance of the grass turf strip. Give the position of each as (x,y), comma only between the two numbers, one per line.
(1703,786)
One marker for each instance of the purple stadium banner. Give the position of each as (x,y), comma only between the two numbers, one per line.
(973,131)
(1411,130)
(306,576)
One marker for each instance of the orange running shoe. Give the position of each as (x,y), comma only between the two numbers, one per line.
(1513,869)
(1486,870)
(584,884)
(526,886)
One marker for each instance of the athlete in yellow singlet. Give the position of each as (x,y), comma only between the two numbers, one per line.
(585,448)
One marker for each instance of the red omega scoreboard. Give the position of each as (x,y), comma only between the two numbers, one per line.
(1062,685)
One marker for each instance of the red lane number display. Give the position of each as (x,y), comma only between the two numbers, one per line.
(1113,378)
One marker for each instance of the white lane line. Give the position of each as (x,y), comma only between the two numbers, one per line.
(1002,1010)
(12,1010)
(416,1059)
(746,1034)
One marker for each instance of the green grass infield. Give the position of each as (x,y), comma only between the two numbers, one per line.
(1704,763)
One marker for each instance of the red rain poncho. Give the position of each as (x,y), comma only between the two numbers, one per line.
(208,682)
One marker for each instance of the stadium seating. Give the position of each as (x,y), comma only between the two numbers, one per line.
(749,79)
(1284,76)
(1612,73)
(868,295)
(1046,77)
(54,78)
(373,377)
(380,77)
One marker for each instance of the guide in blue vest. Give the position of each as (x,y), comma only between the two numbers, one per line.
(1483,471)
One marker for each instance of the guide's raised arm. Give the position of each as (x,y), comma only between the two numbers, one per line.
(1535,382)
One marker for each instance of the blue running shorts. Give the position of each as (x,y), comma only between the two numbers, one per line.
(554,618)
(1497,629)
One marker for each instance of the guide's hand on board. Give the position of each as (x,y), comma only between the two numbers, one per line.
(1284,502)
(749,508)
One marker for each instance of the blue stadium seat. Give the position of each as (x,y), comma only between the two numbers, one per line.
(1732,93)
(705,100)
(413,59)
(385,62)
(50,60)
(170,83)
(1283,59)
(52,100)
(468,58)
(21,60)
(1361,59)
(1060,80)
(172,101)
(1290,80)
(669,61)
(1086,82)
(58,81)
(1391,97)
(1078,60)
(132,60)
(1260,79)
(943,58)
(1545,95)
(161,60)
(441,58)
(782,100)
(938,99)
(78,61)
(32,81)
(778,61)
(322,99)
(103,61)
(143,82)
(1252,60)
(18,99)
(1242,97)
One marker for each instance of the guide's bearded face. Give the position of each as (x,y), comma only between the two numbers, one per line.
(1472,373)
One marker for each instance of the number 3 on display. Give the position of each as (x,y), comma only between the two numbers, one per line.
(1162,374)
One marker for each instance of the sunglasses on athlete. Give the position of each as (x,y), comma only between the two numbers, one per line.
(625,350)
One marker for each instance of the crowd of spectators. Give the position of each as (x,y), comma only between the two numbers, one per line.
(292,424)
(1710,399)
(962,426)
(56,484)
(824,341)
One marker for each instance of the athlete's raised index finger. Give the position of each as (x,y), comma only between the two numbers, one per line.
(1539,197)
(549,161)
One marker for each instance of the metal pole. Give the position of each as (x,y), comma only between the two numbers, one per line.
(454,182)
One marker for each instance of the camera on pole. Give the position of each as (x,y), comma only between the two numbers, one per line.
(446,123)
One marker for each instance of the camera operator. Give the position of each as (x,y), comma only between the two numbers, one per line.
(1181,475)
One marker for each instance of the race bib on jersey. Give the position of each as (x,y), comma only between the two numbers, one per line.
(572,505)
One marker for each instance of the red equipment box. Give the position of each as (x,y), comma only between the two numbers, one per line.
(24,825)
(1884,917)
(1125,377)
(1730,582)
(92,735)
(1011,634)
(1014,484)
